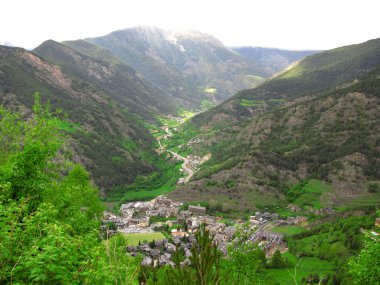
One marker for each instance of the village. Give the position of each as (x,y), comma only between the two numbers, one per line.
(141,217)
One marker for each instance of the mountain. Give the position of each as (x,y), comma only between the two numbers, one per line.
(189,67)
(275,59)
(110,75)
(309,136)
(316,73)
(106,134)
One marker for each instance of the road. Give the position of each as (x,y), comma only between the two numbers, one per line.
(186,161)
(188,170)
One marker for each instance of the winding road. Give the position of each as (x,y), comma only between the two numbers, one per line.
(189,171)
(186,161)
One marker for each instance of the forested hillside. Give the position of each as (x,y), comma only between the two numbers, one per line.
(106,137)
(49,210)
(329,135)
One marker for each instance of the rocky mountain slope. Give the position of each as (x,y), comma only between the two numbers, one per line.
(106,137)
(189,66)
(109,74)
(319,120)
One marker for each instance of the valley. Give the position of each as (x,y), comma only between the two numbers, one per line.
(257,161)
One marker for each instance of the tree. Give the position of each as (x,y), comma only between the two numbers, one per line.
(244,260)
(205,259)
(203,270)
(277,260)
(365,268)
(49,210)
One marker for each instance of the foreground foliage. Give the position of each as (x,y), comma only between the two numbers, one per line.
(365,268)
(207,266)
(49,210)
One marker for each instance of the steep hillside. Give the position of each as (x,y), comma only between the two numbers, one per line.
(109,140)
(110,75)
(316,73)
(318,150)
(275,59)
(189,66)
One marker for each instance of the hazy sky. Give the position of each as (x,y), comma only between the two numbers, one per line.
(291,24)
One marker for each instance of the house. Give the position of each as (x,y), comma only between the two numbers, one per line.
(253,221)
(155,253)
(300,220)
(125,207)
(209,220)
(164,259)
(170,223)
(143,222)
(153,213)
(192,225)
(144,248)
(146,261)
(159,243)
(176,241)
(170,248)
(178,234)
(131,249)
(266,216)
(197,210)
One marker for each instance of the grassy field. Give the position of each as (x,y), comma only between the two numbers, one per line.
(309,193)
(133,239)
(251,103)
(304,266)
(370,200)
(171,122)
(288,230)
(146,193)
(210,90)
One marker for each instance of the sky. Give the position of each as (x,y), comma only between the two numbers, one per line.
(287,24)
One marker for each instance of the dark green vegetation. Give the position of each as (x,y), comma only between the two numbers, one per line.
(333,241)
(317,122)
(182,65)
(274,59)
(101,128)
(366,267)
(49,211)
(308,193)
(149,186)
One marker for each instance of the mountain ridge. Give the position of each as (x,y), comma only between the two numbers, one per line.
(182,64)
(274,58)
(261,146)
(119,80)
(109,141)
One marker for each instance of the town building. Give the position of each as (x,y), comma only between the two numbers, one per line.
(197,210)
